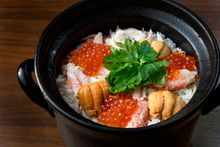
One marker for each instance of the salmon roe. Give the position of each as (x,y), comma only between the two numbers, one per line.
(89,56)
(117,110)
(179,60)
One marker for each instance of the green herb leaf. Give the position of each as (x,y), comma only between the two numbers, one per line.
(133,64)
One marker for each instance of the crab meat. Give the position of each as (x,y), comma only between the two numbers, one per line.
(76,77)
(182,79)
(120,35)
(98,38)
(140,116)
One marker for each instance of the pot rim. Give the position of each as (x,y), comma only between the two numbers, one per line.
(99,127)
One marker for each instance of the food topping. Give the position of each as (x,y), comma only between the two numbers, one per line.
(182,71)
(89,57)
(163,104)
(161,48)
(117,110)
(75,77)
(157,45)
(132,65)
(98,38)
(179,60)
(91,97)
(179,79)
(126,79)
(165,51)
(140,116)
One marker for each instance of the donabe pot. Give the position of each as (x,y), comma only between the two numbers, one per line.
(66,31)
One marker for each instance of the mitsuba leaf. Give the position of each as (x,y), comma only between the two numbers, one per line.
(155,72)
(146,53)
(133,64)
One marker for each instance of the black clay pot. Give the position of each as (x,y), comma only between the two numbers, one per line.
(65,32)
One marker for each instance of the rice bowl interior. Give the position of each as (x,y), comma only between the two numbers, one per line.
(93,89)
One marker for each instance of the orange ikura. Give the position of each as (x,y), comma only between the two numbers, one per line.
(89,56)
(179,60)
(117,110)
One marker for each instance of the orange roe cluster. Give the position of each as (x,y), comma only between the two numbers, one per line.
(117,110)
(179,60)
(89,56)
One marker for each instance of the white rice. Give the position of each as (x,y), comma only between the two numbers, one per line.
(152,121)
(187,93)
(70,96)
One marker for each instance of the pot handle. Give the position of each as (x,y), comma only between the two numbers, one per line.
(213,102)
(28,85)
